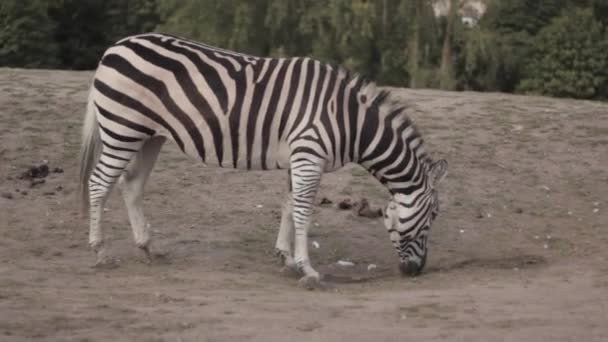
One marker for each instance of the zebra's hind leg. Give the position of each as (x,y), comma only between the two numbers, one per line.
(109,167)
(132,183)
(284,242)
(285,237)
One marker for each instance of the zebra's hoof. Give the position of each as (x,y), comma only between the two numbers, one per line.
(311,282)
(106,264)
(287,260)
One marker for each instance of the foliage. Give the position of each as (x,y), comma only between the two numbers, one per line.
(569,58)
(517,45)
(26,36)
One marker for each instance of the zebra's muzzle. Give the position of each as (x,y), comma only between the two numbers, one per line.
(412,267)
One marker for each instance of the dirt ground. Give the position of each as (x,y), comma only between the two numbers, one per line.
(518,253)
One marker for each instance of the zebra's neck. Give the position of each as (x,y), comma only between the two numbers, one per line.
(390,147)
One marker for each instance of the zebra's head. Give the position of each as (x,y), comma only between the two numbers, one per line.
(408,219)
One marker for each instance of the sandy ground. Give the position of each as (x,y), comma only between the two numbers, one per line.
(519,252)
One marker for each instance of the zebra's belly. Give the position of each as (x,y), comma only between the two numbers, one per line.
(274,158)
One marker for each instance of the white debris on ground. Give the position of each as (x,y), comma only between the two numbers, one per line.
(461,231)
(316,245)
(371,267)
(259,206)
(345,263)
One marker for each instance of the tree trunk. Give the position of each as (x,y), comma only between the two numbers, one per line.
(384,18)
(414,46)
(446,80)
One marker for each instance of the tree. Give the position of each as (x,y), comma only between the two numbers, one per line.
(446,80)
(26,38)
(569,59)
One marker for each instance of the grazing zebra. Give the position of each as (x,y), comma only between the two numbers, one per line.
(229,109)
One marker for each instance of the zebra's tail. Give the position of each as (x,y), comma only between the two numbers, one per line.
(89,151)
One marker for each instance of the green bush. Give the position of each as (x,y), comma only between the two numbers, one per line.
(569,58)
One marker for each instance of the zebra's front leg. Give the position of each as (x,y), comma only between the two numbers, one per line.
(305,180)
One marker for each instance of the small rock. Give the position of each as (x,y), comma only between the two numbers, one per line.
(365,210)
(545,187)
(23,192)
(596,204)
(371,267)
(37,181)
(536,237)
(7,195)
(545,246)
(259,206)
(59,188)
(325,201)
(479,216)
(316,245)
(519,211)
(39,171)
(345,204)
(595,210)
(57,170)
(569,213)
(345,263)
(461,231)
(49,193)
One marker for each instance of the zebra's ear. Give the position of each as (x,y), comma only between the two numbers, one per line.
(439,170)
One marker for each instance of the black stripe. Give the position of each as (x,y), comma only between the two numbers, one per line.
(235,116)
(340,114)
(116,148)
(293,87)
(160,90)
(304,149)
(353,113)
(110,166)
(256,104)
(137,106)
(325,120)
(119,137)
(110,155)
(271,113)
(98,169)
(307,87)
(122,121)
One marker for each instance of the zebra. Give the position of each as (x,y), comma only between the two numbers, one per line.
(233,110)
